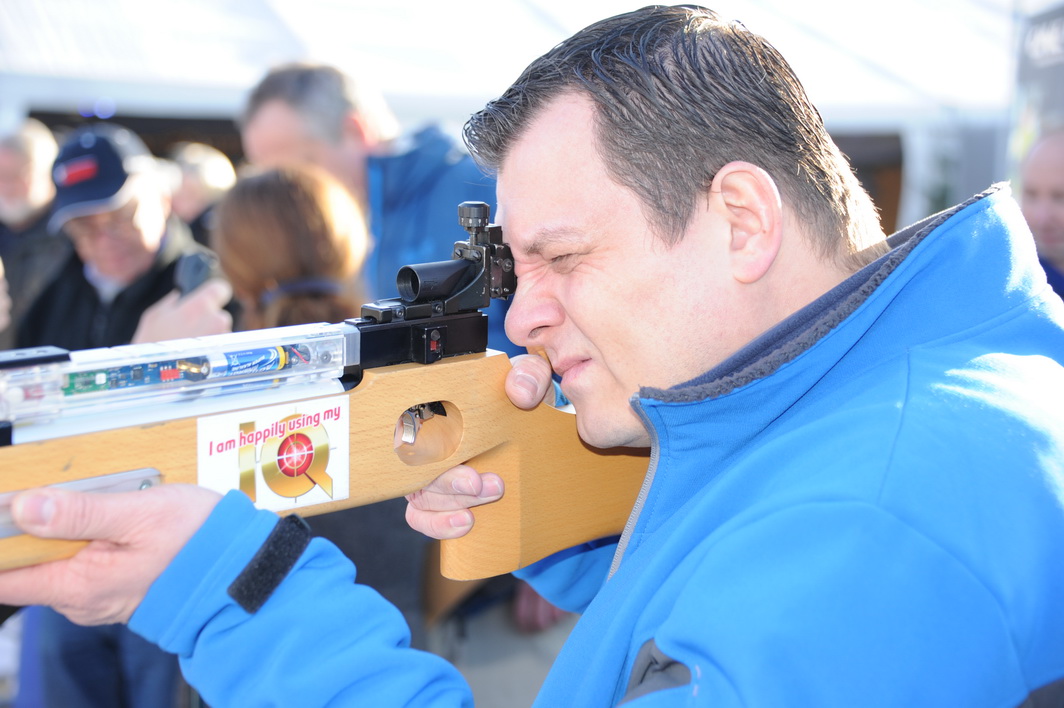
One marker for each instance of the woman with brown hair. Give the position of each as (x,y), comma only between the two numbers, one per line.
(292,243)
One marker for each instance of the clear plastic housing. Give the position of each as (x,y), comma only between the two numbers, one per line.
(119,377)
(30,393)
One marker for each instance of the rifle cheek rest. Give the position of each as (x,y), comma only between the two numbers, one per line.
(271,563)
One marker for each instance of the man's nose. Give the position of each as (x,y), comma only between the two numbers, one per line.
(531,313)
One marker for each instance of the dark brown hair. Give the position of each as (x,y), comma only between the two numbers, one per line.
(679,93)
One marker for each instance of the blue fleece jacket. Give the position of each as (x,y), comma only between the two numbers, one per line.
(863,507)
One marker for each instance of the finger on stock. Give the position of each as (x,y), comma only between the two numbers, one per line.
(441,525)
(460,487)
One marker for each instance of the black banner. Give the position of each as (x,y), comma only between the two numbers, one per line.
(1039,104)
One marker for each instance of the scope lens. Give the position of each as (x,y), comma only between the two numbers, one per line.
(408,283)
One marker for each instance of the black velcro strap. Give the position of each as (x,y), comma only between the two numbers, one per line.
(271,563)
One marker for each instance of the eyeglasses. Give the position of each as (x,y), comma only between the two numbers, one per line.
(112,223)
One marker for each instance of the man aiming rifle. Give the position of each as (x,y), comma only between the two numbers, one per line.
(854,495)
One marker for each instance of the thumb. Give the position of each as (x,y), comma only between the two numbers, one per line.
(57,513)
(217,291)
(529,381)
(166,300)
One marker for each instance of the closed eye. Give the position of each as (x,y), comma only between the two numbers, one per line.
(565,262)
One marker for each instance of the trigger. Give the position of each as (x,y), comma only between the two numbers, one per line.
(411,423)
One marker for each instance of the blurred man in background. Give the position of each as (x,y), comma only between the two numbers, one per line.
(1042,202)
(111,199)
(206,174)
(31,253)
(410,186)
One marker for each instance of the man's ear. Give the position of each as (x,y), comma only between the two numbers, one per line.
(355,128)
(754,214)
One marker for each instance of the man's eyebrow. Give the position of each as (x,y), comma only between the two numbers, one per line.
(550,237)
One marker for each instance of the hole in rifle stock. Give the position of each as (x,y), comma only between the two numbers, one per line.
(429,432)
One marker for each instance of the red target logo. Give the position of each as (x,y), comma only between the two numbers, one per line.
(294,464)
(295,455)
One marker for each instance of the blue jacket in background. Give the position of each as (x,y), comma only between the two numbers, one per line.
(864,507)
(414,196)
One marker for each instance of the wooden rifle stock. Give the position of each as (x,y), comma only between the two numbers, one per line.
(559,491)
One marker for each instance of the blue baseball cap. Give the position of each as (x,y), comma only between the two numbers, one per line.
(92,171)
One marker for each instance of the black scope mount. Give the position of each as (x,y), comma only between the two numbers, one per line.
(438,311)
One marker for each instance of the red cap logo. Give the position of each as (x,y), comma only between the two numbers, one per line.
(77,170)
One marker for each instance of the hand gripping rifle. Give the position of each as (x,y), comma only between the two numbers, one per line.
(315,418)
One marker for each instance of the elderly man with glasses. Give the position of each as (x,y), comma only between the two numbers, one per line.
(113,203)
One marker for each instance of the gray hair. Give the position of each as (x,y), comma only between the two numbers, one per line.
(33,141)
(205,165)
(323,96)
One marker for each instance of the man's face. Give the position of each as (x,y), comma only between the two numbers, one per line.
(121,244)
(611,305)
(1042,199)
(277,136)
(23,193)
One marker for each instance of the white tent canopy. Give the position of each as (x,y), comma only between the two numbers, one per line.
(178,57)
(904,66)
